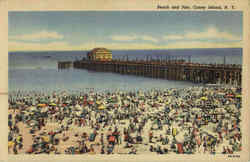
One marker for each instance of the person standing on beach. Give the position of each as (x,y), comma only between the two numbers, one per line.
(15,148)
(150,136)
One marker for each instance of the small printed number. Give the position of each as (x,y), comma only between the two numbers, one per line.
(234,156)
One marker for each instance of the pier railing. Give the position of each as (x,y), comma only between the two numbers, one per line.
(167,69)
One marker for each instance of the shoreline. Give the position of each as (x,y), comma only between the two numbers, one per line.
(100,90)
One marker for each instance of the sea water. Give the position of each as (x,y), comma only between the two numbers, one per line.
(38,70)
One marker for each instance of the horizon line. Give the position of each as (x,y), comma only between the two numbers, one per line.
(123,49)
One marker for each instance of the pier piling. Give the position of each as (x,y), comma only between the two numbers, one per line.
(170,69)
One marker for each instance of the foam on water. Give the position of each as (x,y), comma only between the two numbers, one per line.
(38,70)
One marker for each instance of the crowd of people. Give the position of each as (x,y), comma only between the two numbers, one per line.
(195,120)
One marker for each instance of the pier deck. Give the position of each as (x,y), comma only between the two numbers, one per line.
(170,70)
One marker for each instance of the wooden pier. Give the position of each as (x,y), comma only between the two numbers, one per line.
(168,69)
(65,65)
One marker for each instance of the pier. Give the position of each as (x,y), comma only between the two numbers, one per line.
(179,70)
(65,65)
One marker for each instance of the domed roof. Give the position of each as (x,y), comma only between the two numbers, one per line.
(100,50)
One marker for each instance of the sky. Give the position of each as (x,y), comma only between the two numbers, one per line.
(118,30)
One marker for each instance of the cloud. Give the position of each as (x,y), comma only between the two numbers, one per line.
(133,37)
(210,34)
(65,46)
(149,38)
(42,35)
(202,44)
(124,37)
(52,46)
(173,37)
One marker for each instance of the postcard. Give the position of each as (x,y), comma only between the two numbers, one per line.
(120,81)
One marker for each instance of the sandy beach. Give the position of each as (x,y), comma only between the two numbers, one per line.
(196,120)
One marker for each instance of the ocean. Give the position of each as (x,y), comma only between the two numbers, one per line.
(37,71)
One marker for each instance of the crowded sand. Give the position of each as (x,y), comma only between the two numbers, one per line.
(196,120)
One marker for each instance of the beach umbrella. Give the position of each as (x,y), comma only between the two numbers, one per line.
(230,95)
(204,98)
(233,108)
(44,109)
(91,102)
(221,94)
(52,104)
(101,107)
(11,144)
(78,107)
(32,123)
(41,105)
(43,100)
(33,109)
(195,109)
(45,138)
(167,103)
(238,96)
(180,138)
(222,110)
(78,113)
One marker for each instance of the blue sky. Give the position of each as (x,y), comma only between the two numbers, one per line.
(84,30)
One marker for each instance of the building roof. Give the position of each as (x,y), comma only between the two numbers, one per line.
(99,50)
